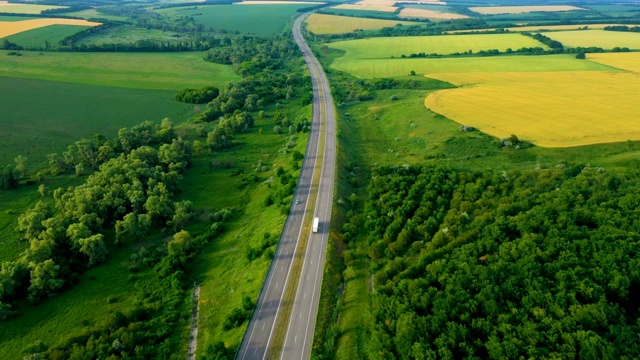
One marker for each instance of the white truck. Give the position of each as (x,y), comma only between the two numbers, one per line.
(316,222)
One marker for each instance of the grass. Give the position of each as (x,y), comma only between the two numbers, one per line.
(255,19)
(599,38)
(26,8)
(226,257)
(40,117)
(52,34)
(166,71)
(377,68)
(332,24)
(14,18)
(429,14)
(361,13)
(386,47)
(72,312)
(93,13)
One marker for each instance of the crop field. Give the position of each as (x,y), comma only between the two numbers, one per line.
(333,24)
(616,10)
(578,111)
(40,117)
(540,28)
(497,10)
(8,18)
(255,19)
(132,70)
(599,38)
(15,27)
(377,68)
(12,8)
(360,13)
(429,14)
(38,37)
(367,7)
(93,13)
(625,61)
(376,48)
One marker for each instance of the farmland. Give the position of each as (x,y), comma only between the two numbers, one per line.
(332,24)
(502,104)
(429,14)
(496,10)
(39,116)
(377,68)
(15,27)
(626,61)
(126,34)
(376,48)
(132,70)
(255,19)
(598,38)
(13,8)
(38,38)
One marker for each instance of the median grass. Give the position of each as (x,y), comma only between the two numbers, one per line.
(387,47)
(333,24)
(166,71)
(377,68)
(598,38)
(255,19)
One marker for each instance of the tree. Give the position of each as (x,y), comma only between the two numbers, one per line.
(21,166)
(44,280)
(94,247)
(581,55)
(183,213)
(8,179)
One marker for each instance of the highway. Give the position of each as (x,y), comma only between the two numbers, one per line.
(257,341)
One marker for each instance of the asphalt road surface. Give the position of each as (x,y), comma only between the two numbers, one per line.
(256,343)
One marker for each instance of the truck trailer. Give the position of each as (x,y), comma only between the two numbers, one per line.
(316,222)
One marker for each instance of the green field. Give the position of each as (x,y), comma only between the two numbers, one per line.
(126,34)
(93,13)
(14,18)
(361,13)
(166,71)
(376,68)
(617,10)
(36,38)
(598,38)
(386,47)
(40,117)
(255,19)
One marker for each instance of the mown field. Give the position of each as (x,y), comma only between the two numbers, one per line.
(40,117)
(52,34)
(377,68)
(599,38)
(625,61)
(332,24)
(166,71)
(379,48)
(255,19)
(573,114)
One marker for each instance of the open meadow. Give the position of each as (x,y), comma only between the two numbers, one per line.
(255,18)
(379,68)
(166,71)
(40,37)
(386,47)
(598,38)
(333,24)
(583,108)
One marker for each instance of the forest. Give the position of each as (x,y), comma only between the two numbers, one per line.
(519,264)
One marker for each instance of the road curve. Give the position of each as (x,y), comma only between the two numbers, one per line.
(256,343)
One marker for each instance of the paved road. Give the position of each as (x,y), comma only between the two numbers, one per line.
(256,341)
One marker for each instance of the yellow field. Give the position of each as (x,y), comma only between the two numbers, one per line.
(12,8)
(539,28)
(625,61)
(8,28)
(366,7)
(552,109)
(599,38)
(333,24)
(276,2)
(496,10)
(429,14)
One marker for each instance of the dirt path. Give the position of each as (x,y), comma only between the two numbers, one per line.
(193,342)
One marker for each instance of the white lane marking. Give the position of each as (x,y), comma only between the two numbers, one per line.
(305,295)
(263,324)
(295,339)
(300,317)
